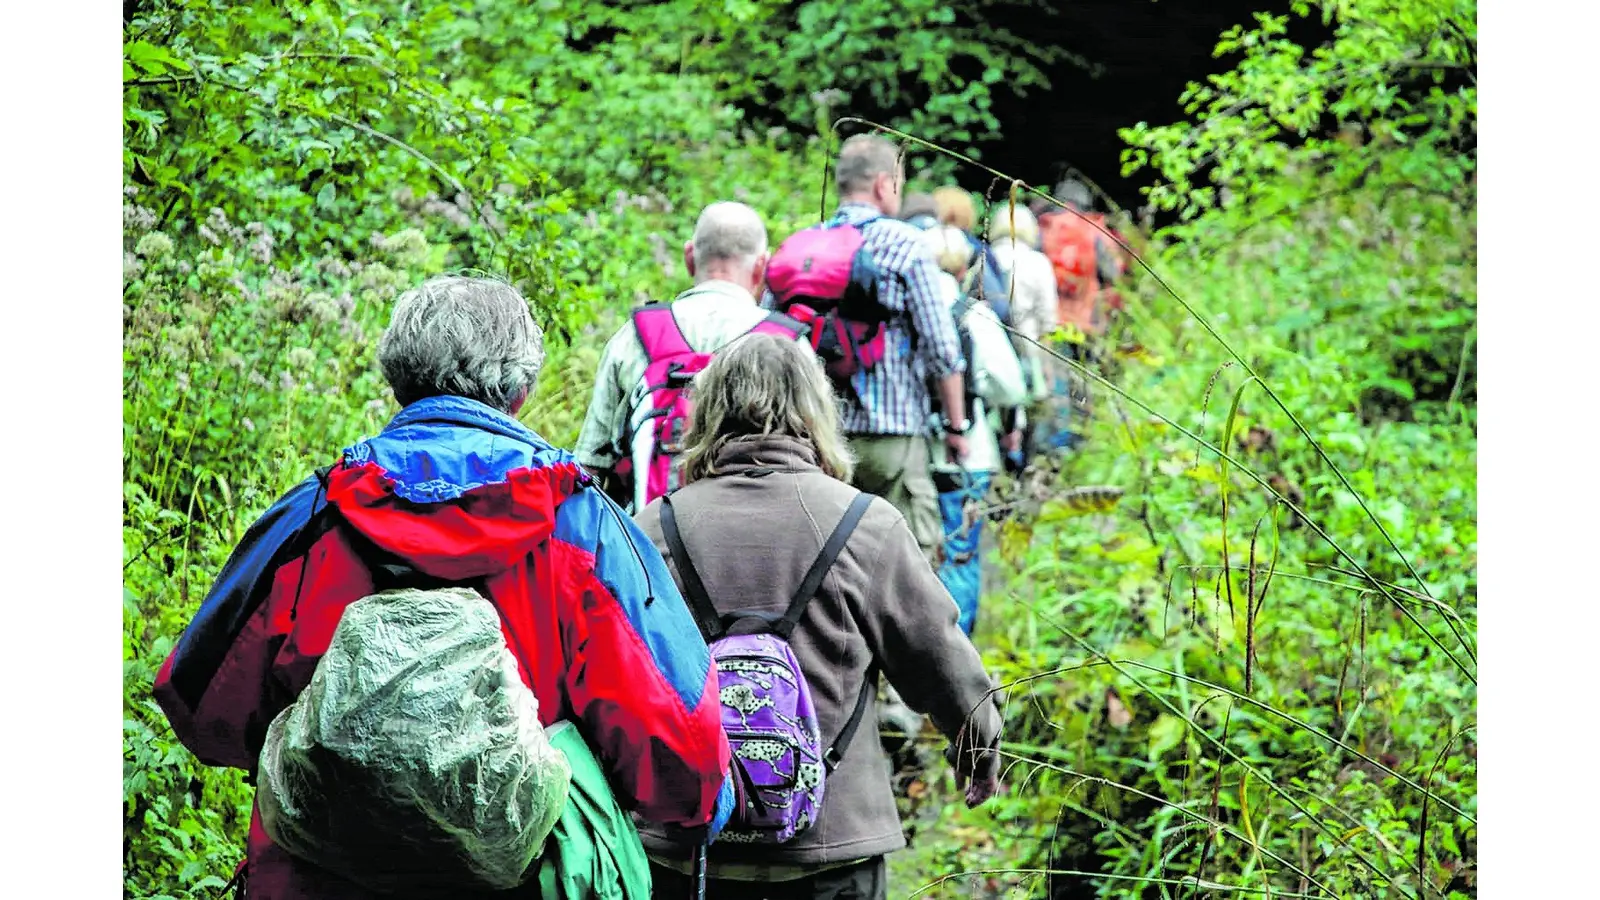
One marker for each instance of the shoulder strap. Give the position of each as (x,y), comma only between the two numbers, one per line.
(658,331)
(694,590)
(961,307)
(831,756)
(819,567)
(778,323)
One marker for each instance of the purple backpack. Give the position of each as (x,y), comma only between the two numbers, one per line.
(780,762)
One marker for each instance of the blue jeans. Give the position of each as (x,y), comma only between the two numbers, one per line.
(959,570)
(1060,426)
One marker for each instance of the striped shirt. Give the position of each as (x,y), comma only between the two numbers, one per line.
(921,342)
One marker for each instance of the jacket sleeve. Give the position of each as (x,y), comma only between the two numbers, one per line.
(638,674)
(910,623)
(215,684)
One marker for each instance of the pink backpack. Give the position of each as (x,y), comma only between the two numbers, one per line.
(824,278)
(657,426)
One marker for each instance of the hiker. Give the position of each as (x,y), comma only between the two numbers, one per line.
(634,425)
(1082,256)
(995,382)
(764,501)
(920,210)
(954,207)
(456,490)
(1084,260)
(882,380)
(1031,284)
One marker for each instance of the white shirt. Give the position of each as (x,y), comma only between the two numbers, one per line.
(997,378)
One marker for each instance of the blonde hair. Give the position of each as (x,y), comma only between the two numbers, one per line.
(955,207)
(951,249)
(763,385)
(1015,222)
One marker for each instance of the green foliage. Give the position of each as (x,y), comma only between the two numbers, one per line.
(290,169)
(1204,682)
(937,66)
(1256,672)
(1392,100)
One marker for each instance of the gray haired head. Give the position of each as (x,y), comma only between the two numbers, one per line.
(1075,193)
(731,233)
(862,158)
(465,337)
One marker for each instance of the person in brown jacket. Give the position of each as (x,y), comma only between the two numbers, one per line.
(764,483)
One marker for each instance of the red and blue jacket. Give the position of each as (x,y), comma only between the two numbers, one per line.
(460,492)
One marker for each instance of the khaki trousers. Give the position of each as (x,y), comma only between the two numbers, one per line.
(897,468)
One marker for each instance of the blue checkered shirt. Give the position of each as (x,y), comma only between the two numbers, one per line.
(921,343)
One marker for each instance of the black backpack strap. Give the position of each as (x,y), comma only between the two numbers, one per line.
(819,568)
(831,756)
(694,590)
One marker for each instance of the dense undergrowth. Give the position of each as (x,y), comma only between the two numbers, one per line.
(1254,673)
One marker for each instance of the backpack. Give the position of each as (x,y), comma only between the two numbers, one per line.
(779,760)
(987,278)
(969,376)
(393,780)
(1068,241)
(824,278)
(656,428)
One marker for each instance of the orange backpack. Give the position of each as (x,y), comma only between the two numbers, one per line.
(1068,241)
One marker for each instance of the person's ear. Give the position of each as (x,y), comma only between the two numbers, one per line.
(516,402)
(688,256)
(758,273)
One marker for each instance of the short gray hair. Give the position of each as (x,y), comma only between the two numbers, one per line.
(730,232)
(462,336)
(862,158)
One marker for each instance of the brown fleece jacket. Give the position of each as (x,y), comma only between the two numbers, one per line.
(752,531)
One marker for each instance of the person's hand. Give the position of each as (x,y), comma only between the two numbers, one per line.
(983,782)
(955,446)
(977,773)
(1011,441)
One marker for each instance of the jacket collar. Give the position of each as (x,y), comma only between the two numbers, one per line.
(724,289)
(465,413)
(780,453)
(857,211)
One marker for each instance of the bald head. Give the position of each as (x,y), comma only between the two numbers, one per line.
(729,244)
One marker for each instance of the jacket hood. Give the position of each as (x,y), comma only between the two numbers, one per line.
(454,488)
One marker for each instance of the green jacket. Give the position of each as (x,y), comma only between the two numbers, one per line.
(594,851)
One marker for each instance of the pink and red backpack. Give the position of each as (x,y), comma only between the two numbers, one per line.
(656,427)
(824,278)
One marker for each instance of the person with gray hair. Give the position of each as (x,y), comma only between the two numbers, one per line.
(455,492)
(765,486)
(630,431)
(468,337)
